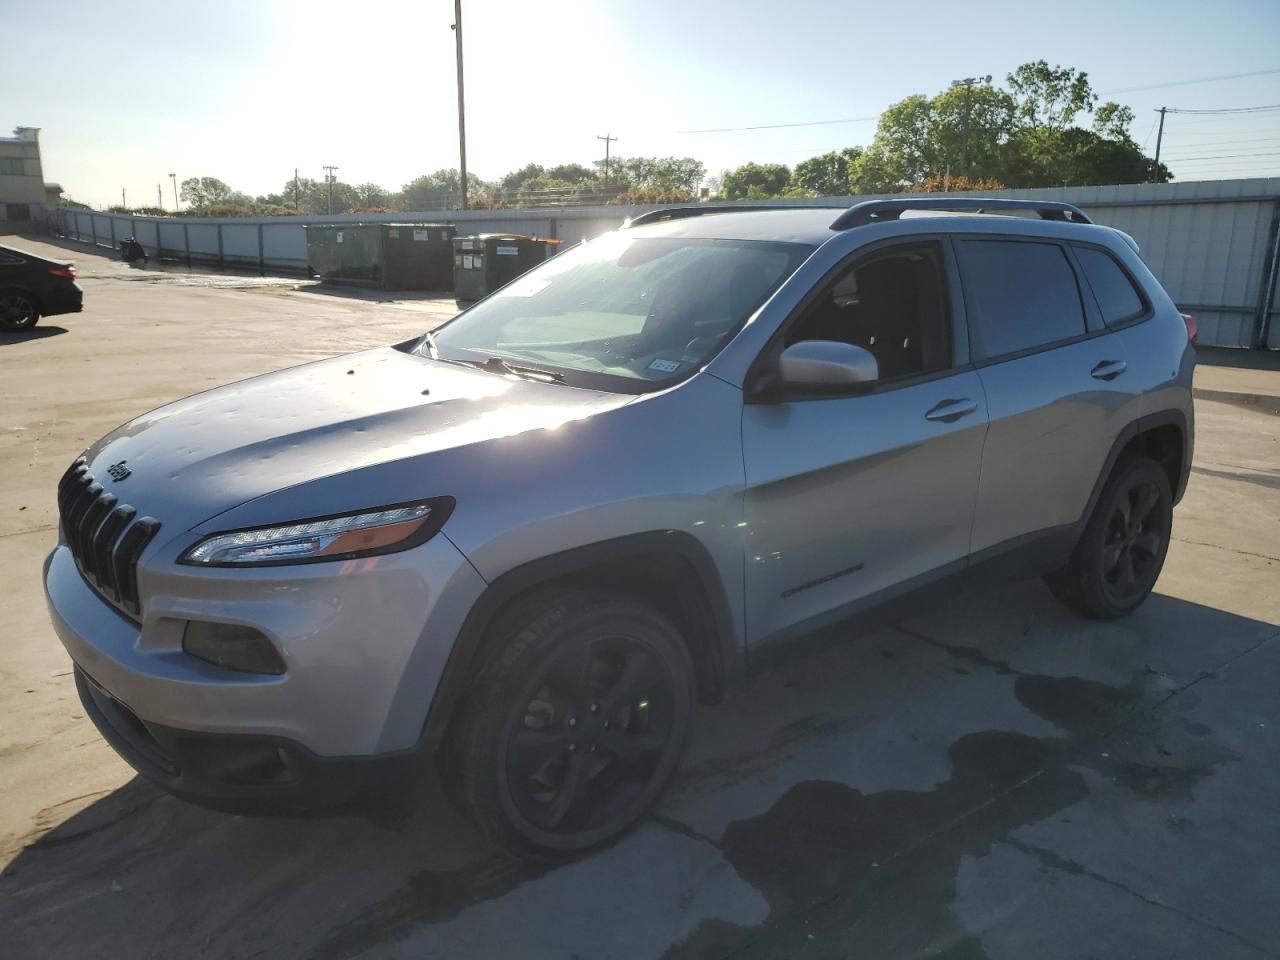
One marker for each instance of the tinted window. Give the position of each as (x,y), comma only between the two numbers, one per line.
(892,304)
(1020,294)
(1117,298)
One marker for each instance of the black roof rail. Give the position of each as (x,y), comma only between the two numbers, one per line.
(702,209)
(877,211)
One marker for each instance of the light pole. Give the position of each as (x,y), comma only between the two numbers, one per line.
(329,178)
(176,206)
(462,112)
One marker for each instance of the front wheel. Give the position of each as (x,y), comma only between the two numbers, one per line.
(576,726)
(17,312)
(1122,551)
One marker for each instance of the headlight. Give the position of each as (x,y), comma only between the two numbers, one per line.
(342,537)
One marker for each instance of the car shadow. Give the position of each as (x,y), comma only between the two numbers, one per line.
(1239,358)
(844,787)
(40,331)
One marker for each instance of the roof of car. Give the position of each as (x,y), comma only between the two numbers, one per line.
(814,225)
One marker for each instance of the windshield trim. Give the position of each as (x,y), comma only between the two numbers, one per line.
(608,382)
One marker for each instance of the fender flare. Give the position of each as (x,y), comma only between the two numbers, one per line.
(464,658)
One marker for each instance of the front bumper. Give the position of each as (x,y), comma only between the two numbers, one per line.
(241,774)
(364,645)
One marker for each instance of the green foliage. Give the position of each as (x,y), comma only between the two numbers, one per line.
(826,175)
(755,181)
(441,190)
(1022,137)
(200,193)
(1050,96)
(571,173)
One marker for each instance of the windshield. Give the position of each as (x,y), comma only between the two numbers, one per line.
(621,313)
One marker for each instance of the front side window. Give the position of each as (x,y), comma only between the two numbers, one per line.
(1114,291)
(622,312)
(1021,294)
(892,303)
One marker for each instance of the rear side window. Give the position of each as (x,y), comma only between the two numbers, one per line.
(1021,294)
(1116,296)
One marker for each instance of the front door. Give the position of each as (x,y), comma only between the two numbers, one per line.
(854,496)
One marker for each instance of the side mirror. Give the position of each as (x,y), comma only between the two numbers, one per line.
(827,365)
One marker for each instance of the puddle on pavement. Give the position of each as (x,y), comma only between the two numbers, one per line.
(853,874)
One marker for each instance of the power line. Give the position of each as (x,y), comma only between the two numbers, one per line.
(1187,83)
(1229,156)
(1262,109)
(780,126)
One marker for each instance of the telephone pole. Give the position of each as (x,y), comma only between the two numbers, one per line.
(297,208)
(159,197)
(124,198)
(330,178)
(1155,175)
(176,206)
(607,140)
(462,111)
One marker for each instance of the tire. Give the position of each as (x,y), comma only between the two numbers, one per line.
(17,311)
(576,726)
(1121,553)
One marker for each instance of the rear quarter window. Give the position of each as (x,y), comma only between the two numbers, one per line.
(1021,294)
(1117,297)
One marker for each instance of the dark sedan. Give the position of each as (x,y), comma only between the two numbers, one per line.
(32,287)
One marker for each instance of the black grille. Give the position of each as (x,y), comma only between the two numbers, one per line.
(105,536)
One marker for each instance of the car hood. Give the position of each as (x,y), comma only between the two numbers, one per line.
(191,460)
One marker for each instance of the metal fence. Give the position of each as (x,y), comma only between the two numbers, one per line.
(1213,243)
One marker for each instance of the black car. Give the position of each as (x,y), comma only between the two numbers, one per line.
(32,287)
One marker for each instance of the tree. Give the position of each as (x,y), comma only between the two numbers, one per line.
(439,191)
(199,193)
(1050,96)
(754,181)
(823,176)
(571,173)
(372,195)
(1024,137)
(681,175)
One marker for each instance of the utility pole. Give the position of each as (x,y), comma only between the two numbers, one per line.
(297,207)
(176,206)
(607,140)
(124,198)
(330,178)
(159,197)
(1159,136)
(462,111)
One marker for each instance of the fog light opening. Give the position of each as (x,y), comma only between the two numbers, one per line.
(232,647)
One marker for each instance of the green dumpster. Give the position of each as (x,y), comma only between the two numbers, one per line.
(394,256)
(483,263)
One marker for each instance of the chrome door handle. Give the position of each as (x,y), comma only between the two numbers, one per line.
(1109,369)
(949,411)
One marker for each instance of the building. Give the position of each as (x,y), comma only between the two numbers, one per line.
(23,192)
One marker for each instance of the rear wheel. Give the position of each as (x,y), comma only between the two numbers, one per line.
(17,311)
(576,726)
(1122,551)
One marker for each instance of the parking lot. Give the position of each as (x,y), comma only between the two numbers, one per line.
(986,776)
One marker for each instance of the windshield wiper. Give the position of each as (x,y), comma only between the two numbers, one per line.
(499,365)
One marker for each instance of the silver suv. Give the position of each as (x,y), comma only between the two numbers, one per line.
(517,550)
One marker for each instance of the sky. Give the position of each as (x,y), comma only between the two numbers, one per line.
(247,90)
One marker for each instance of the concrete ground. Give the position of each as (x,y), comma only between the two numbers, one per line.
(989,776)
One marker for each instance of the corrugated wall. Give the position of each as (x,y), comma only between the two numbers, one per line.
(1212,243)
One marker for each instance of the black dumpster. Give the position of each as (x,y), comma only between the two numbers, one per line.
(394,256)
(483,263)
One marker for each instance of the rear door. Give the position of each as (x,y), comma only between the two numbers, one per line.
(849,497)
(1056,386)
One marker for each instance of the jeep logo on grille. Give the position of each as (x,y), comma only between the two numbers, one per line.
(119,471)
